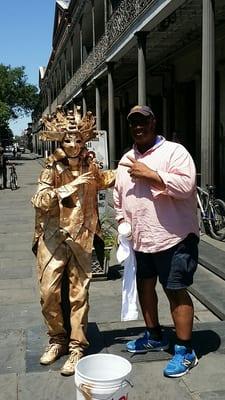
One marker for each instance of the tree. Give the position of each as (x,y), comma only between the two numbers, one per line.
(17,97)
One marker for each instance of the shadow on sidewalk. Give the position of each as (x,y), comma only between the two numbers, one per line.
(114,341)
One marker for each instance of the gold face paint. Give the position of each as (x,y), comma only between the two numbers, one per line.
(73,144)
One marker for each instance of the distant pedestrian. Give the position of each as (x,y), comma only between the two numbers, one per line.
(3,169)
(155,192)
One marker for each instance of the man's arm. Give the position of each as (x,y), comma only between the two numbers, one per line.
(178,181)
(138,169)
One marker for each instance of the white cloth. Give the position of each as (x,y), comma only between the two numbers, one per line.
(126,257)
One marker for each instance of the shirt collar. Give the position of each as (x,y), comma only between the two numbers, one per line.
(159,140)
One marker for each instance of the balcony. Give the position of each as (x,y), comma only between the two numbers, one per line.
(121,20)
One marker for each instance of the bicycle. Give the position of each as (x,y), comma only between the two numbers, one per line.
(212,212)
(13,178)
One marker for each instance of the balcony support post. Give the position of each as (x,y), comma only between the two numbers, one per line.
(93,22)
(98,106)
(111,116)
(84,101)
(141,39)
(208,93)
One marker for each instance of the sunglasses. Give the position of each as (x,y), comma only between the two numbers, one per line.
(140,121)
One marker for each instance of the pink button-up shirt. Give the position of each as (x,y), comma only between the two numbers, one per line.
(159,218)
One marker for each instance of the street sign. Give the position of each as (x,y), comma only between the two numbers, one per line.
(99,149)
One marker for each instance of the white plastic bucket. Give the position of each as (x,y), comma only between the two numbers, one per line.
(102,377)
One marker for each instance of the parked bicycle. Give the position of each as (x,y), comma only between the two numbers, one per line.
(212,212)
(13,177)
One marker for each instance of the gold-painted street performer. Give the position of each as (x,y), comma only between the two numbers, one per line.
(66,222)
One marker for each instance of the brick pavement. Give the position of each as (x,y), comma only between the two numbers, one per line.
(22,333)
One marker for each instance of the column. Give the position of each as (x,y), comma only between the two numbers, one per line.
(98,106)
(141,38)
(111,115)
(84,103)
(65,66)
(60,76)
(221,148)
(208,93)
(105,13)
(93,22)
(72,55)
(49,98)
(55,84)
(198,122)
(81,43)
(110,7)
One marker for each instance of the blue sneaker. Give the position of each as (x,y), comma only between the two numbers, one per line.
(181,362)
(145,343)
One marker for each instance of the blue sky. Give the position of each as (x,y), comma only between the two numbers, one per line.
(26,39)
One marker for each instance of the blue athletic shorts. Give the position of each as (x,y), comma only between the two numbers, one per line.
(175,267)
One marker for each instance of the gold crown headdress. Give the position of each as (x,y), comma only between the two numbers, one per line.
(56,125)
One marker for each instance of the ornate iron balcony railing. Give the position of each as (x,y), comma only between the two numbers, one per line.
(120,21)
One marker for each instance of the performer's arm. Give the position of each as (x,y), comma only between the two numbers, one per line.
(45,198)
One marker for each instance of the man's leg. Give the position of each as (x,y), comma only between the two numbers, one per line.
(181,265)
(182,311)
(148,301)
(153,338)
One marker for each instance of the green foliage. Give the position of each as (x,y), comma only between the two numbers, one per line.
(6,135)
(4,113)
(17,97)
(108,231)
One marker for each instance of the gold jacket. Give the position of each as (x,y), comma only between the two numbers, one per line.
(66,212)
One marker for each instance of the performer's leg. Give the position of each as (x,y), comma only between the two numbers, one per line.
(50,277)
(65,303)
(79,280)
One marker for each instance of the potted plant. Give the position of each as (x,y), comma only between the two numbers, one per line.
(102,248)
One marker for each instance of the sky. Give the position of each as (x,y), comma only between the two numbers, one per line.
(26,40)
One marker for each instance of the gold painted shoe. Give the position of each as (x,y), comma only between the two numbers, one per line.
(52,353)
(69,367)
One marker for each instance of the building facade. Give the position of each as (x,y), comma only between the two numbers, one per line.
(108,55)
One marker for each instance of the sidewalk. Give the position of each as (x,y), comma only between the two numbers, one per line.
(22,332)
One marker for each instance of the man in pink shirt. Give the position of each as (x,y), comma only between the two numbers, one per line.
(155,192)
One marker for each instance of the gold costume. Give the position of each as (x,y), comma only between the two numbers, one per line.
(66,222)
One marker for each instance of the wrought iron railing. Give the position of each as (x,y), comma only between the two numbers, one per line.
(120,21)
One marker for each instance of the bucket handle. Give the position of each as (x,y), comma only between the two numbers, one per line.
(85,390)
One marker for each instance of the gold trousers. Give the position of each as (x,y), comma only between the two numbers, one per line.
(50,278)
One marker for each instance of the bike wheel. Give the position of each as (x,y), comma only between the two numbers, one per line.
(13,182)
(217,219)
(203,215)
